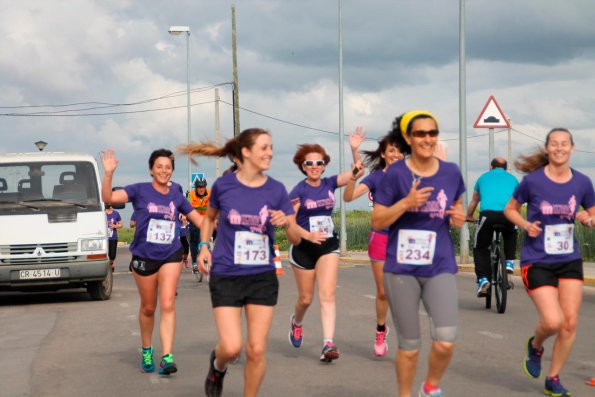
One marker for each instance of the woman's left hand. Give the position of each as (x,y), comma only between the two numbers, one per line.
(584,218)
(457,217)
(278,218)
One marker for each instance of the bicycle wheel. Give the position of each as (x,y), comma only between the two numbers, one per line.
(501,282)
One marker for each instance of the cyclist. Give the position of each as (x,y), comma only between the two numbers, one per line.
(419,200)
(493,189)
(551,262)
(378,161)
(199,199)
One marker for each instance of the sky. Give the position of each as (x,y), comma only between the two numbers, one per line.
(87,75)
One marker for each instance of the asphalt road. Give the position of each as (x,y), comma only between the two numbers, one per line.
(64,344)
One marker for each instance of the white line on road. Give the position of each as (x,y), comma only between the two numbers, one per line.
(134,333)
(124,304)
(370,296)
(131,317)
(491,335)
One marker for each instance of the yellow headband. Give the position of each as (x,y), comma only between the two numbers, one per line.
(407,117)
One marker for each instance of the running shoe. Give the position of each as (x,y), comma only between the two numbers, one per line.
(380,345)
(510,267)
(296,336)
(167,366)
(146,363)
(554,388)
(482,287)
(214,381)
(433,393)
(186,264)
(329,353)
(532,362)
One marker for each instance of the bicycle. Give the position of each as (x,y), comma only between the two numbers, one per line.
(500,280)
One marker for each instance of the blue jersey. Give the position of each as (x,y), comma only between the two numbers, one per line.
(495,189)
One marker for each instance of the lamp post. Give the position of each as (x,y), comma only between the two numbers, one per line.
(41,145)
(176,31)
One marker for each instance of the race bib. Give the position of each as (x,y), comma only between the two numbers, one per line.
(322,224)
(110,233)
(161,231)
(251,248)
(416,247)
(559,239)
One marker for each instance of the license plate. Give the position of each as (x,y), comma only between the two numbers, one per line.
(39,273)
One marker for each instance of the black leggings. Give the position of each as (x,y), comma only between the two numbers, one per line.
(483,240)
(185,244)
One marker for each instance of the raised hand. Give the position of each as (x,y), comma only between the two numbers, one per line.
(109,160)
(356,138)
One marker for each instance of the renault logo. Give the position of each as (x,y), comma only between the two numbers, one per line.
(39,251)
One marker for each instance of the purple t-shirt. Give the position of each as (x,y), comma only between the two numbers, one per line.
(315,201)
(156,236)
(372,181)
(554,205)
(112,219)
(245,235)
(419,242)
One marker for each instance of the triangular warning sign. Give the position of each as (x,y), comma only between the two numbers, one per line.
(491,116)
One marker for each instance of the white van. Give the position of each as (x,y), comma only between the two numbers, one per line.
(53,229)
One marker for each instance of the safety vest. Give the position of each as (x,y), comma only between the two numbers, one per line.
(199,204)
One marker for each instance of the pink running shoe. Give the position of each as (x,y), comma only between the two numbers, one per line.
(186,264)
(380,346)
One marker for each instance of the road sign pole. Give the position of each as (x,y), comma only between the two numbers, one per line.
(491,154)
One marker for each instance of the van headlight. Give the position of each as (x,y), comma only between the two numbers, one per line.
(93,244)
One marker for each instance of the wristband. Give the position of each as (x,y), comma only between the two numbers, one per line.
(204,243)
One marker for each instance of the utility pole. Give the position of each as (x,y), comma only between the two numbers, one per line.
(509,146)
(236,99)
(343,233)
(464,236)
(217,133)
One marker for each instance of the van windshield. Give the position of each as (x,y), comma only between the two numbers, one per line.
(46,187)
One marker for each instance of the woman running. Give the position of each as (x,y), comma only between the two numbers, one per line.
(551,262)
(419,199)
(249,205)
(156,250)
(377,161)
(316,258)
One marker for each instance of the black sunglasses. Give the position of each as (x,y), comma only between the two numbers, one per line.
(310,163)
(424,133)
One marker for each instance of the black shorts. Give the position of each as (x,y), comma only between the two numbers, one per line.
(306,254)
(112,246)
(237,291)
(147,267)
(542,275)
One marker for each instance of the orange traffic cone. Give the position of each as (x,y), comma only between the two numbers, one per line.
(277,260)
(591,382)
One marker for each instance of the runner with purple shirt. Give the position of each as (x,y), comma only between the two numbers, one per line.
(551,262)
(249,205)
(316,257)
(419,200)
(114,222)
(156,250)
(378,161)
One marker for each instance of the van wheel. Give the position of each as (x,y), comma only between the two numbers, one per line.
(101,290)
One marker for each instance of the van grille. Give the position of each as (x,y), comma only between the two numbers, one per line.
(28,253)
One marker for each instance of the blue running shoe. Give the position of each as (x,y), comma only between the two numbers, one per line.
(167,366)
(532,362)
(554,388)
(510,267)
(295,334)
(329,352)
(146,363)
(482,287)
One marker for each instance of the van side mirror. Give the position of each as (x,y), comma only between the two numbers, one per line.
(118,206)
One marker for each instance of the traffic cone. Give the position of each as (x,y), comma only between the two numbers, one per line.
(591,382)
(277,260)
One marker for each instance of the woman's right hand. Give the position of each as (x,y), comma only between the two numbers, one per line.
(109,160)
(204,260)
(317,237)
(533,229)
(416,198)
(356,139)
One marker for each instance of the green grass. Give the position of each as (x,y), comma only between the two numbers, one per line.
(358,228)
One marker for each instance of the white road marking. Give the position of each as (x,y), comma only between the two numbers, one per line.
(124,304)
(131,317)
(491,335)
(370,296)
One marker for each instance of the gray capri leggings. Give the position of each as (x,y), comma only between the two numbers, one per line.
(439,296)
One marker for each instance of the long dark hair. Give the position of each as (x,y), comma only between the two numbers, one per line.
(530,162)
(373,158)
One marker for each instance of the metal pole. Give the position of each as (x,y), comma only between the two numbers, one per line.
(464,236)
(236,99)
(509,146)
(343,234)
(491,146)
(188,103)
(217,133)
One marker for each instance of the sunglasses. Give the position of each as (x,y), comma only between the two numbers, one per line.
(310,163)
(423,133)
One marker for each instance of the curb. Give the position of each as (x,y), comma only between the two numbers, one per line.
(463,267)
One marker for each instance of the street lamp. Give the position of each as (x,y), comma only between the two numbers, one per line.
(41,145)
(176,31)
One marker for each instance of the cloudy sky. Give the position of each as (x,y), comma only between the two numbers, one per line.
(123,77)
